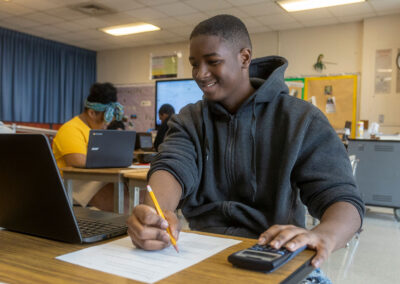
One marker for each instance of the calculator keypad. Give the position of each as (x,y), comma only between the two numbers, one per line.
(267,248)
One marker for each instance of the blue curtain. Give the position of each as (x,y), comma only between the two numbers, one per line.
(42,80)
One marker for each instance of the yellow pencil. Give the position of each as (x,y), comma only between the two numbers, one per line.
(159,211)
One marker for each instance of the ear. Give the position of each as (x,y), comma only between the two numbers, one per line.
(91,113)
(245,57)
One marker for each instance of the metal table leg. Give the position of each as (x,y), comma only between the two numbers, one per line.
(119,197)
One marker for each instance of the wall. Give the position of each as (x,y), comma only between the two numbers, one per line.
(380,33)
(340,44)
(132,65)
(301,47)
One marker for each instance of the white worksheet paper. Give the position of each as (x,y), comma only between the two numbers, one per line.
(121,258)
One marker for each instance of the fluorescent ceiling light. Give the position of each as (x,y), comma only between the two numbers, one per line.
(301,5)
(130,29)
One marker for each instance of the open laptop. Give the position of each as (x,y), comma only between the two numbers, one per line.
(110,149)
(33,199)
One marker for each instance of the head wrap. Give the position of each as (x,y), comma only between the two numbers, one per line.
(110,110)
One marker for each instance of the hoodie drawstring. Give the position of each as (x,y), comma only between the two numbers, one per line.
(253,179)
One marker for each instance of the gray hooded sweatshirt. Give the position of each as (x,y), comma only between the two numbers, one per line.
(241,173)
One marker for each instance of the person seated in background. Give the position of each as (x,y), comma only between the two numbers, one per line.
(164,113)
(116,125)
(70,144)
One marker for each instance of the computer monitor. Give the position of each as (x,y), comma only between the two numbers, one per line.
(144,141)
(177,93)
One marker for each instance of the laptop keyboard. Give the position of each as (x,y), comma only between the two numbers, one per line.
(90,227)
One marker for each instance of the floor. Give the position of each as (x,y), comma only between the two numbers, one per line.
(374,257)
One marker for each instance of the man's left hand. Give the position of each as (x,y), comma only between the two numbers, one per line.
(292,238)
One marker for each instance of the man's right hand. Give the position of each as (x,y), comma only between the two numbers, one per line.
(148,230)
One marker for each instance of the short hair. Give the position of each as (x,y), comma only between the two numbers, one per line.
(116,124)
(103,93)
(166,109)
(227,27)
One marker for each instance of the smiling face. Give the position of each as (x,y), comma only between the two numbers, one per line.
(220,71)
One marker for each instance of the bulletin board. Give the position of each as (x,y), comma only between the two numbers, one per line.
(138,102)
(336,97)
(296,87)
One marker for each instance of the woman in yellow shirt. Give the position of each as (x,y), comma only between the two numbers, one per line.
(71,141)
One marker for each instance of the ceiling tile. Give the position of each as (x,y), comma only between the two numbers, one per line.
(312,14)
(286,26)
(151,3)
(4,15)
(48,30)
(118,19)
(319,22)
(251,22)
(91,22)
(146,43)
(36,33)
(259,29)
(146,14)
(53,19)
(43,18)
(175,38)
(167,23)
(38,4)
(389,12)
(184,31)
(348,19)
(68,26)
(209,5)
(350,10)
(68,2)
(8,25)
(231,11)
(176,9)
(245,2)
(21,22)
(262,9)
(14,9)
(384,5)
(91,34)
(192,19)
(121,5)
(276,19)
(66,13)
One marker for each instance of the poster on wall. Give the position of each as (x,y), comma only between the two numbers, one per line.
(296,87)
(383,71)
(164,66)
(138,102)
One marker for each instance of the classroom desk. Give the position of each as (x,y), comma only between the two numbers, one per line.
(31,259)
(114,175)
(136,181)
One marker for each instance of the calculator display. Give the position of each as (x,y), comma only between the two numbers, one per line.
(264,255)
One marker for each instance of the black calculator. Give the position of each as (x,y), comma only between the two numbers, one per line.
(262,257)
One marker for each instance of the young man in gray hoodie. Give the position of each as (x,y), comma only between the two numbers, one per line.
(245,159)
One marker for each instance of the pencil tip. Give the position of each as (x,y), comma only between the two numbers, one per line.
(176,248)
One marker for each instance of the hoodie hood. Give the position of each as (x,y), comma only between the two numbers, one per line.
(267,73)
